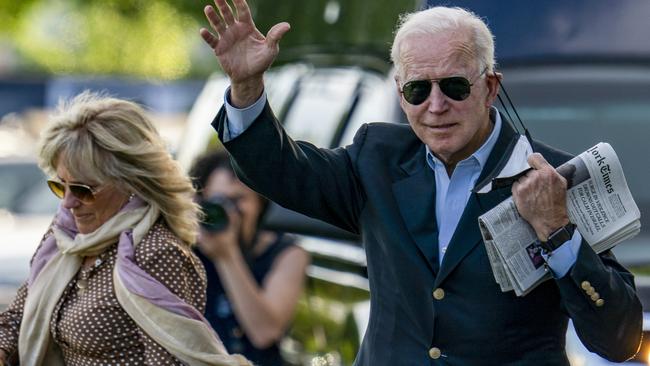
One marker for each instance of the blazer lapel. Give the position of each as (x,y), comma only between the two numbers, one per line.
(416,198)
(467,234)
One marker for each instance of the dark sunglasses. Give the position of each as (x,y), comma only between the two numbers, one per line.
(82,192)
(455,87)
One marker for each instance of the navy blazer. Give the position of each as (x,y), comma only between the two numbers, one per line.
(382,188)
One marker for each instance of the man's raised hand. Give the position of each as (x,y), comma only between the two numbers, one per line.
(243,52)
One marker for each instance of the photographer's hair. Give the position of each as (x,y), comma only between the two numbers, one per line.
(207,163)
(440,19)
(210,161)
(108,140)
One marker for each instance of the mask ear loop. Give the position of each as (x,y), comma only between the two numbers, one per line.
(521,122)
(512,106)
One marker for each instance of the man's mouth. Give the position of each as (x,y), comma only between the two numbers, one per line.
(442,127)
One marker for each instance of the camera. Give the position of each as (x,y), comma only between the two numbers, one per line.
(215,213)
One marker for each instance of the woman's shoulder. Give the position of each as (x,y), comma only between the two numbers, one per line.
(168,259)
(160,244)
(37,253)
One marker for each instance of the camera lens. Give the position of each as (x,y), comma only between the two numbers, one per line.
(215,215)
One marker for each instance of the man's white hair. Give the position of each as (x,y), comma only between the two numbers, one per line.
(439,20)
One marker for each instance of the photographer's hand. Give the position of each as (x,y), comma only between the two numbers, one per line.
(223,244)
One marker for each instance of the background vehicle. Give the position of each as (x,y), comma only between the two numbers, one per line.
(577,72)
(26,210)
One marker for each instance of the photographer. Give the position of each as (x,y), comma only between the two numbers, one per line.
(254,277)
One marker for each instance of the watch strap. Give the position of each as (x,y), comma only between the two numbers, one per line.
(558,237)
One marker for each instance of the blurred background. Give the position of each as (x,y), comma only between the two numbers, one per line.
(578,73)
(150,50)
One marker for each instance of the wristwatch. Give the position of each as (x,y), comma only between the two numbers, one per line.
(558,237)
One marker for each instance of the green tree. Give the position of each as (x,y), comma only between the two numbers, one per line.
(159,39)
(10,13)
(102,38)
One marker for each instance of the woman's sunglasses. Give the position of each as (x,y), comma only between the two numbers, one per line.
(82,192)
(456,87)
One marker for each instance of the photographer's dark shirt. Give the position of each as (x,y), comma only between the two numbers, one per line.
(219,310)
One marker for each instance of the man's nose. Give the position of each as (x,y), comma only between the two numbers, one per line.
(437,100)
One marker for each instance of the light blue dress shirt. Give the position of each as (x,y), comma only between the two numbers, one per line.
(452,192)
(240,119)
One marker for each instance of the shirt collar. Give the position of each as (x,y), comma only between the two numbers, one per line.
(481,155)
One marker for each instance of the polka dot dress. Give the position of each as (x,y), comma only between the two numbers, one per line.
(89,325)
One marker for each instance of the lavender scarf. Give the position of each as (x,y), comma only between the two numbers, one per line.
(177,326)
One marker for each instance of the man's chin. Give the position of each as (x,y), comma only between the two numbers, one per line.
(442,149)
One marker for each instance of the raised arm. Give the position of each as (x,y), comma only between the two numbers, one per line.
(242,51)
(320,183)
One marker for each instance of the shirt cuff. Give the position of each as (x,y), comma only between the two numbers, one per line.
(564,257)
(240,119)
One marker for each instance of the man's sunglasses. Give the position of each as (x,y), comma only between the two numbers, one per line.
(455,87)
(82,192)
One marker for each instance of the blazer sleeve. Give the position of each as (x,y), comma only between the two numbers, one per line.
(599,295)
(612,327)
(317,182)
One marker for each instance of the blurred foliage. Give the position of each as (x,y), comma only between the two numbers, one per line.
(346,27)
(102,38)
(10,12)
(159,39)
(640,270)
(324,320)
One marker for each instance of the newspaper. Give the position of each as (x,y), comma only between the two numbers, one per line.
(599,202)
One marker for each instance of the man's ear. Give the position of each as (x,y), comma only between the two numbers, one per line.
(397,84)
(492,79)
(398,89)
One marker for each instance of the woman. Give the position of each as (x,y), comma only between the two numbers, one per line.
(113,280)
(255,277)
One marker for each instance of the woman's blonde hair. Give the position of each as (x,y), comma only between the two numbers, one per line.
(108,140)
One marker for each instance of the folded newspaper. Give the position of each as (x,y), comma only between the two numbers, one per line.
(599,203)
